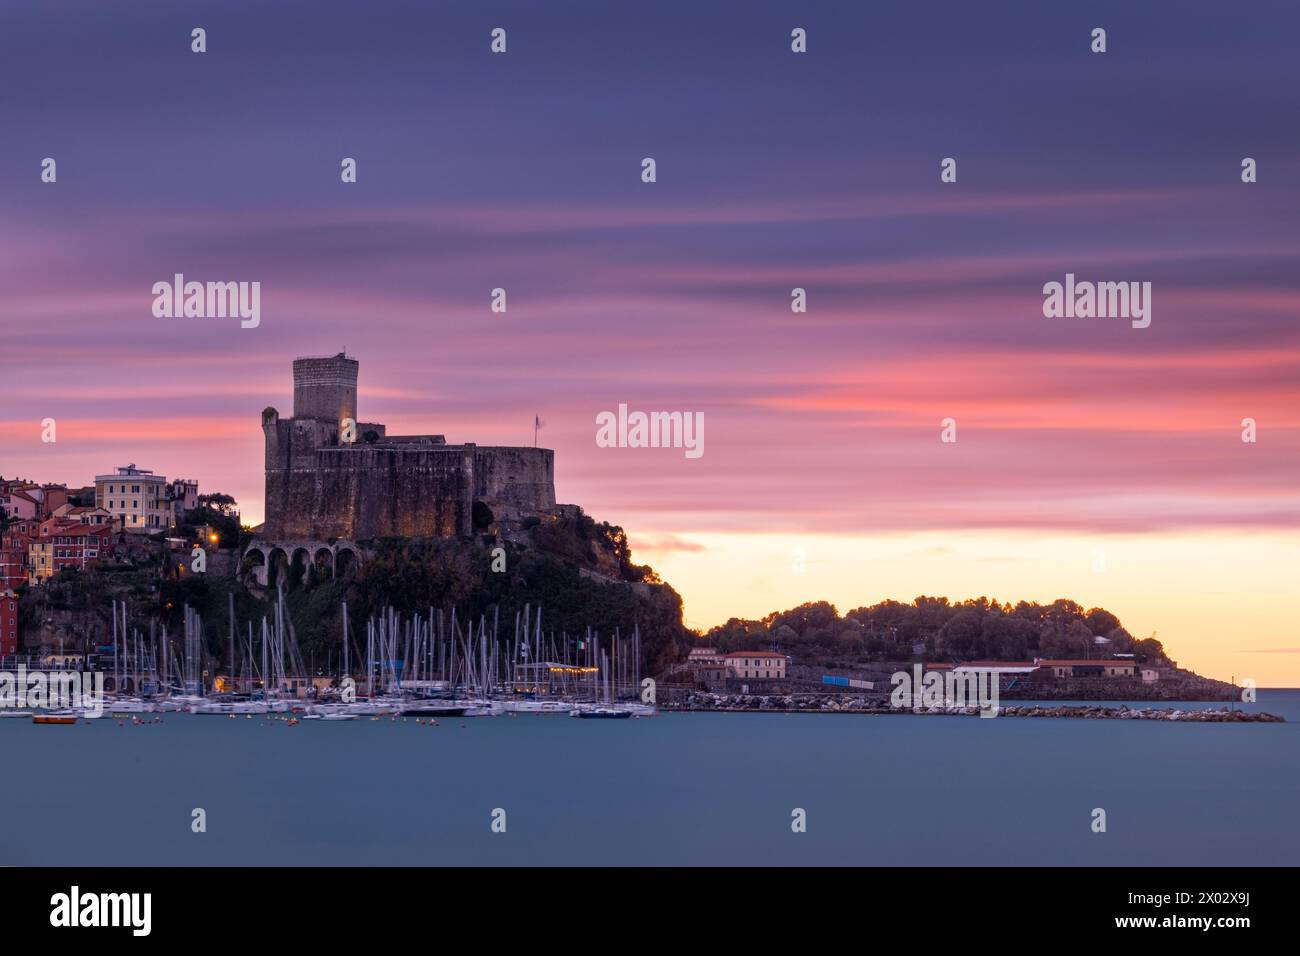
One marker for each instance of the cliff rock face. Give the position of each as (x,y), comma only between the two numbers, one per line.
(329,476)
(67,629)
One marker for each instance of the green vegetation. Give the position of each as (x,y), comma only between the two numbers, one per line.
(413,575)
(577,571)
(580,573)
(580,540)
(216,510)
(977,629)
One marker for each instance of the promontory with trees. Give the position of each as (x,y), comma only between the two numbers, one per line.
(936,629)
(581,574)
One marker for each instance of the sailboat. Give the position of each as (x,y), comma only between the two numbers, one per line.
(435,708)
(597,710)
(600,713)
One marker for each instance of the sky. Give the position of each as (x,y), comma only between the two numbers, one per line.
(1093,460)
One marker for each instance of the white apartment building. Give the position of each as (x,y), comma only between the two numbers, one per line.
(136,498)
(757,664)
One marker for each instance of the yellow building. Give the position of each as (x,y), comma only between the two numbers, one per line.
(1106,668)
(136,498)
(40,561)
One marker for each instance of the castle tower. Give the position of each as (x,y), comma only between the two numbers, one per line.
(320,486)
(325,388)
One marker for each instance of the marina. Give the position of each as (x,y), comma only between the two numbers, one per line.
(430,666)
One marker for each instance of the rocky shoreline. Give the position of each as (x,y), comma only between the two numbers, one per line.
(698,701)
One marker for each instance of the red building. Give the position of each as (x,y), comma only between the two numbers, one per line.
(14,543)
(66,544)
(8,623)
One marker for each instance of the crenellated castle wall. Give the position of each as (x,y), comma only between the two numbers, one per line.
(407,486)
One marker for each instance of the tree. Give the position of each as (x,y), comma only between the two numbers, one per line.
(1064,611)
(1121,641)
(1068,642)
(814,623)
(738,634)
(1101,621)
(223,504)
(217,514)
(1007,637)
(1149,649)
(960,636)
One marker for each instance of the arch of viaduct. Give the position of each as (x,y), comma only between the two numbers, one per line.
(276,563)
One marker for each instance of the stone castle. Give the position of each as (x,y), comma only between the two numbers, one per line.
(321,486)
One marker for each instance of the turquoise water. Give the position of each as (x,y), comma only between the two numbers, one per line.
(675,789)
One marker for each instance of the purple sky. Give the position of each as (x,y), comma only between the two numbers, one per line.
(774,170)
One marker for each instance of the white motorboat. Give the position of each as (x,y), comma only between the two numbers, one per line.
(223,708)
(480,707)
(128,705)
(375,707)
(537,707)
(178,704)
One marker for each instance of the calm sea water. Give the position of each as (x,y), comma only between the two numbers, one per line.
(676,789)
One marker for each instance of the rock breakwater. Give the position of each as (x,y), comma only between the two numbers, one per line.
(851,704)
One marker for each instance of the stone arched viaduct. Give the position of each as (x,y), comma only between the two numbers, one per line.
(274,563)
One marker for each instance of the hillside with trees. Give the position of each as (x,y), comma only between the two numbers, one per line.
(580,573)
(935,629)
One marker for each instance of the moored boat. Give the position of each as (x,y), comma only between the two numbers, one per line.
(482,708)
(128,705)
(538,707)
(431,709)
(54,718)
(231,707)
(600,713)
